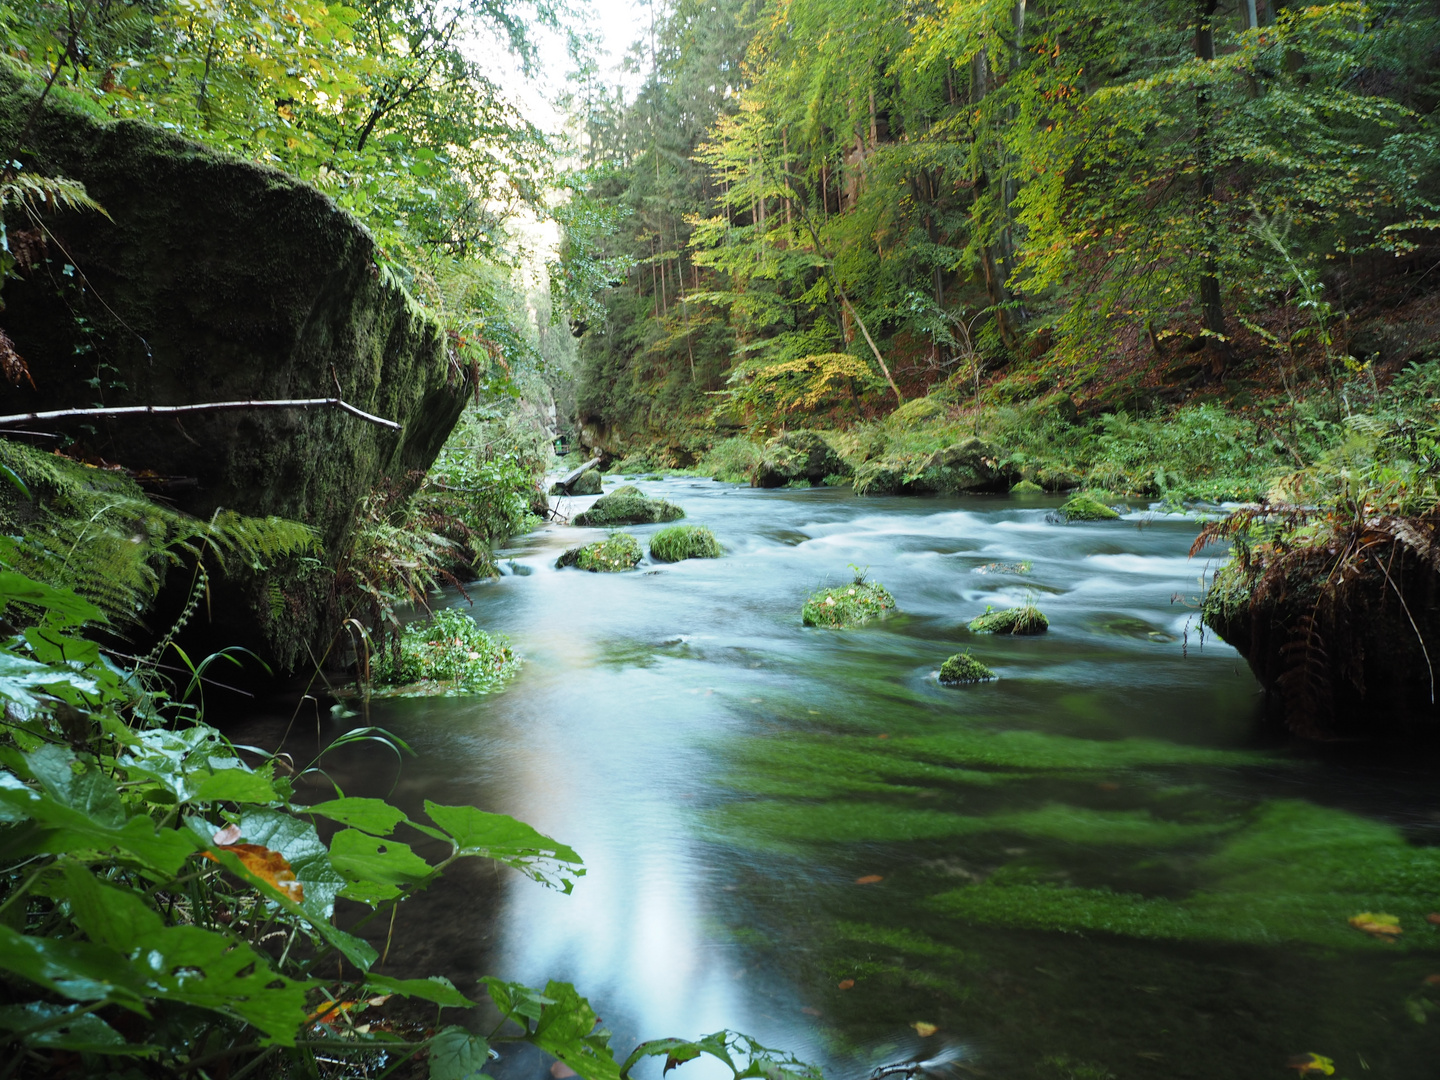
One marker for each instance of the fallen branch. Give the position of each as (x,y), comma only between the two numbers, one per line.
(568,480)
(209,406)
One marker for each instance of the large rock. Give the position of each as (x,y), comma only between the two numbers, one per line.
(1344,645)
(797,455)
(215,279)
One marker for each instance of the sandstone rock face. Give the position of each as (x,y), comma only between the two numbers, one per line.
(215,279)
(798,455)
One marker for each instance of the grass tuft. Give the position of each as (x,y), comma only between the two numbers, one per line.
(680,542)
(617,552)
(448,649)
(1087,508)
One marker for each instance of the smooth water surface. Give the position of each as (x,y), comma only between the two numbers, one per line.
(1095,865)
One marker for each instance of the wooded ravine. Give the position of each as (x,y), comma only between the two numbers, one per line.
(361,359)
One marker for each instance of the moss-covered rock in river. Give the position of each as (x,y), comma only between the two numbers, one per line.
(971,464)
(214,279)
(1026,619)
(680,542)
(1027,487)
(847,605)
(1087,508)
(617,552)
(963,668)
(628,506)
(797,457)
(587,483)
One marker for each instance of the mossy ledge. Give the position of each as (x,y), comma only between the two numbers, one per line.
(215,279)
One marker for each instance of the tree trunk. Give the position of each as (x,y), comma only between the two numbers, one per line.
(1212,311)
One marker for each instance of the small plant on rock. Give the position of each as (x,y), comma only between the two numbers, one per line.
(847,605)
(1026,619)
(684,542)
(451,650)
(618,551)
(1087,508)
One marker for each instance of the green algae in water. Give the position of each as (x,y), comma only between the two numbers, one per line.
(847,605)
(1024,620)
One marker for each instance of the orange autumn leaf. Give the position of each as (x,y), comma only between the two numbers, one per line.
(1432,980)
(846,984)
(330,1011)
(269,866)
(869,879)
(1305,1064)
(923,1029)
(1433,918)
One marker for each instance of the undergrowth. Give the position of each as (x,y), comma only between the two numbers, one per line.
(449,652)
(847,605)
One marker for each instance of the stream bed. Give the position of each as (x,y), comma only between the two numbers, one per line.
(1099,864)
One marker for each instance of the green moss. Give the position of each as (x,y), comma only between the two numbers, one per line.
(617,552)
(847,605)
(684,542)
(447,654)
(1087,508)
(1027,487)
(1026,619)
(587,483)
(964,668)
(628,506)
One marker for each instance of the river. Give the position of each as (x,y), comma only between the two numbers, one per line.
(1097,865)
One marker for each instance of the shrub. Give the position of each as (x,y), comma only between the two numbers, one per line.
(964,668)
(450,648)
(617,552)
(1026,619)
(731,460)
(847,605)
(684,542)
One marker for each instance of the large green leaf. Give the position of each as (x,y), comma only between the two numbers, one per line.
(187,963)
(437,989)
(502,838)
(65,608)
(377,868)
(64,1027)
(455,1054)
(373,815)
(238,785)
(569,1029)
(72,969)
(21,677)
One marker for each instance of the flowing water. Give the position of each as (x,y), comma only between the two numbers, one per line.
(1096,865)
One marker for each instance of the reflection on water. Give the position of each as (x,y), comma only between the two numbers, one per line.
(1091,866)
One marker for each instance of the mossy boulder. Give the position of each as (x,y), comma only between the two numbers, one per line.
(680,542)
(1024,620)
(969,465)
(797,457)
(215,279)
(587,483)
(1053,479)
(627,505)
(617,552)
(1027,487)
(1087,508)
(883,477)
(847,605)
(963,668)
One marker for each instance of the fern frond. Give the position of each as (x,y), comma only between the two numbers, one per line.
(39,193)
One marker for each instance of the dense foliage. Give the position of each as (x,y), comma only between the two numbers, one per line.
(888,195)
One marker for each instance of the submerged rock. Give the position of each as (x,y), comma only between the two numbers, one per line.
(628,505)
(802,456)
(1026,619)
(963,668)
(214,279)
(617,552)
